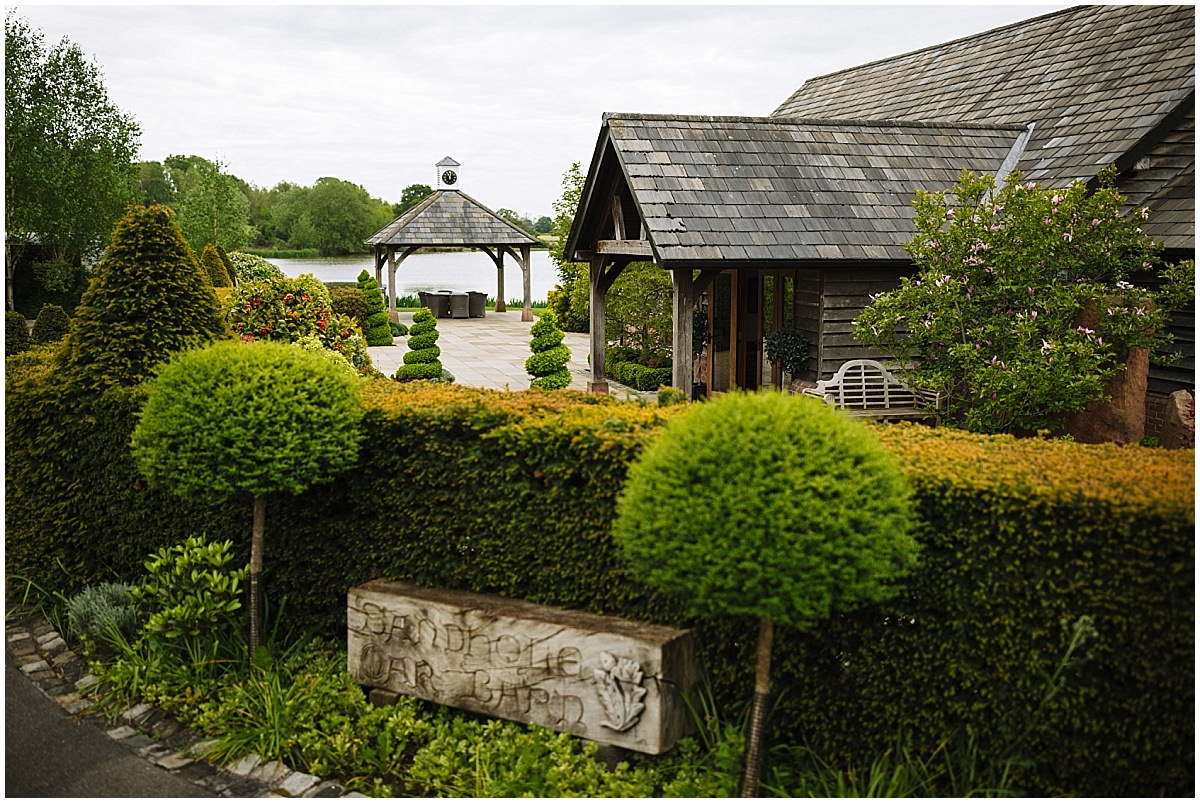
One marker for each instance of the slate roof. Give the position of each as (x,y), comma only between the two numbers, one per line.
(757,189)
(1103,84)
(450,218)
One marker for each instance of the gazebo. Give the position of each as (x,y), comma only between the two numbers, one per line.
(449,218)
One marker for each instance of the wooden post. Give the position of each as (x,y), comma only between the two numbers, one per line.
(683,304)
(499,259)
(393,313)
(527,310)
(599,382)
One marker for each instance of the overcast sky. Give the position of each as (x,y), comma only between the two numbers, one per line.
(378,94)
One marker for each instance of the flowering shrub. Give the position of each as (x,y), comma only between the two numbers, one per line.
(1022,305)
(247,267)
(287,310)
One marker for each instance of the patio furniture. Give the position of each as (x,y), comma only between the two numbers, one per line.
(460,305)
(478,303)
(867,389)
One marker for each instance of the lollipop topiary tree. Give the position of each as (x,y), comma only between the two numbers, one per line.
(249,420)
(771,506)
(376,326)
(421,360)
(548,364)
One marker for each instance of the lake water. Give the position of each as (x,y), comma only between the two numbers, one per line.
(459,271)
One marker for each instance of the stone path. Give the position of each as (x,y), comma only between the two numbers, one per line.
(36,651)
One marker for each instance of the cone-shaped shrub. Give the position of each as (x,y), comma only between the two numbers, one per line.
(376,327)
(421,360)
(210,258)
(51,325)
(548,365)
(230,271)
(16,333)
(148,298)
(772,506)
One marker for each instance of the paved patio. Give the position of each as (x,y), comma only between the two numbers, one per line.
(490,352)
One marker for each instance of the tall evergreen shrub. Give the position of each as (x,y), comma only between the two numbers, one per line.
(147,299)
(377,328)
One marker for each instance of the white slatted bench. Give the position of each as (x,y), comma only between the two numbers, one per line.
(866,388)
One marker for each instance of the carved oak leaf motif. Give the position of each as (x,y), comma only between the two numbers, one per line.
(619,682)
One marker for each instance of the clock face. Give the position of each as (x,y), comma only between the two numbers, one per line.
(449,177)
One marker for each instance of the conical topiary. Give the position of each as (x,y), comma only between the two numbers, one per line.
(548,364)
(148,298)
(377,327)
(210,258)
(421,361)
(228,263)
(52,324)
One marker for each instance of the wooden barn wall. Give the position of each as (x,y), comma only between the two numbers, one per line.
(846,292)
(806,298)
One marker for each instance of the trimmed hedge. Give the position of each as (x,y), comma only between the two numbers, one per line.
(640,377)
(515,493)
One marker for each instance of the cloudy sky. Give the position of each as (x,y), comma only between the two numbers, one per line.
(378,94)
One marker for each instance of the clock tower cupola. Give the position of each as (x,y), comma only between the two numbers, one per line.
(448,174)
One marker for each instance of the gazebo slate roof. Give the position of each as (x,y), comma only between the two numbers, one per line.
(450,218)
(760,189)
(1103,85)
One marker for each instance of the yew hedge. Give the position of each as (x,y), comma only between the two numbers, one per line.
(515,493)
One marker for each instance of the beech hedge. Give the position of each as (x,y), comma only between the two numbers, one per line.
(1024,542)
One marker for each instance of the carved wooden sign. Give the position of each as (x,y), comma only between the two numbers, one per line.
(605,679)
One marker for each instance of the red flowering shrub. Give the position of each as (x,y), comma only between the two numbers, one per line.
(288,309)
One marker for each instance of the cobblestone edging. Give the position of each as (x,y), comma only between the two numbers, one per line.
(46,659)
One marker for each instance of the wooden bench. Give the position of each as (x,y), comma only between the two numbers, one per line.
(866,388)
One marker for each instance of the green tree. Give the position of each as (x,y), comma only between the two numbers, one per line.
(1022,304)
(771,506)
(249,420)
(548,363)
(337,218)
(544,225)
(570,299)
(148,299)
(212,208)
(155,183)
(638,314)
(68,151)
(520,221)
(412,195)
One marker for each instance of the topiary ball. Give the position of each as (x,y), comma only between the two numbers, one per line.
(769,505)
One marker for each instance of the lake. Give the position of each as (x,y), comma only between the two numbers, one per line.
(459,271)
